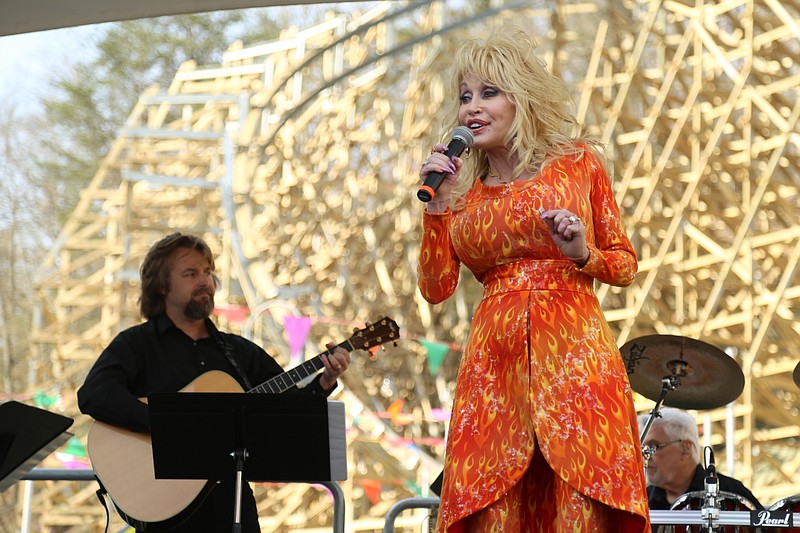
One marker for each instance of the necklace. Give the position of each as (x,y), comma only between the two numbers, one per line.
(498,178)
(526,176)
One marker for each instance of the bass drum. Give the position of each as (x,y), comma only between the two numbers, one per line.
(726,501)
(790,504)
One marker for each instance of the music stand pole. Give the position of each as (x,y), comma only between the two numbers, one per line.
(239,456)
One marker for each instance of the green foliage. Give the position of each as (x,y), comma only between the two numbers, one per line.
(87,107)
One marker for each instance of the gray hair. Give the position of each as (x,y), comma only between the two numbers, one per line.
(678,425)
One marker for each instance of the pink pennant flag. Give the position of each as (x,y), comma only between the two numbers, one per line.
(235,314)
(297,328)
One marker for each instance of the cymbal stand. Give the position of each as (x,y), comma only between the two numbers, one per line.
(668,383)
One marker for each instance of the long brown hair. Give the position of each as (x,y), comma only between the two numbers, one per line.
(156,268)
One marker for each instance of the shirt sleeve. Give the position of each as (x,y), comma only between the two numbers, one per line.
(107,393)
(438,266)
(612,259)
(261,367)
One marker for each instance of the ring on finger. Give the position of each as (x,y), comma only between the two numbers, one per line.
(424,162)
(573,219)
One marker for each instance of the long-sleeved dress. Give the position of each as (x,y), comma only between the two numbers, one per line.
(541,366)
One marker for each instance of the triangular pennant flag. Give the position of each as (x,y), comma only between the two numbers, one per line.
(414,488)
(396,414)
(436,353)
(297,328)
(75,448)
(395,408)
(235,314)
(440,415)
(44,400)
(372,488)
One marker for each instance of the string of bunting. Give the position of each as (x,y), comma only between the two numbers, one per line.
(298,328)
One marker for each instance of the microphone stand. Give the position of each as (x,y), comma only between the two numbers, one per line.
(710,509)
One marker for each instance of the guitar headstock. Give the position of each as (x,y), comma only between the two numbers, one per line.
(380,332)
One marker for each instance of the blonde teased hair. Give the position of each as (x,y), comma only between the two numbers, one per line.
(544,127)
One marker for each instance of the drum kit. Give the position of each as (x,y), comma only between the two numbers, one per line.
(685,373)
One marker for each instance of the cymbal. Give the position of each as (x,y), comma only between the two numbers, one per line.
(707,376)
(796,375)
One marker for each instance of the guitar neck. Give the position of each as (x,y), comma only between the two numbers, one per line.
(290,378)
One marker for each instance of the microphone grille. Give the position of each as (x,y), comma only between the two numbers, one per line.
(464,133)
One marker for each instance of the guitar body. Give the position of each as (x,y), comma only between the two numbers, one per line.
(123,462)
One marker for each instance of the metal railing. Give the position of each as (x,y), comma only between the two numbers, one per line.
(408,503)
(87,474)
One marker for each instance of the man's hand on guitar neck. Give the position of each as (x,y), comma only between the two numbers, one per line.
(335,364)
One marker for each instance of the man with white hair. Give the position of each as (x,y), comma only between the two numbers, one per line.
(675,465)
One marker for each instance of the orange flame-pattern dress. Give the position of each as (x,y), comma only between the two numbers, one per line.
(541,367)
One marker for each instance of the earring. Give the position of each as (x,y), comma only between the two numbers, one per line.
(467,152)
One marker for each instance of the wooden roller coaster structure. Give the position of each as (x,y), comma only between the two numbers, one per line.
(297,160)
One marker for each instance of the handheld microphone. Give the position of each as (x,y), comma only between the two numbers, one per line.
(462,138)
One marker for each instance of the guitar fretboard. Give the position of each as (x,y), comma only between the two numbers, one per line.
(288,379)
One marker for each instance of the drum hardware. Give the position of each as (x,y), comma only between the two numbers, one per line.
(726,518)
(680,372)
(789,509)
(711,508)
(668,383)
(708,377)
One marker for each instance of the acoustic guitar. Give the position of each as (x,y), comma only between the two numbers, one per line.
(123,460)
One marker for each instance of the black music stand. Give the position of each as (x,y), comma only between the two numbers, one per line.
(27,435)
(236,436)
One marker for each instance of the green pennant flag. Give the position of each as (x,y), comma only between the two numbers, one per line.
(413,488)
(75,448)
(436,353)
(43,400)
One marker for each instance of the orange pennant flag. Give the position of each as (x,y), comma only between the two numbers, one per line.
(372,488)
